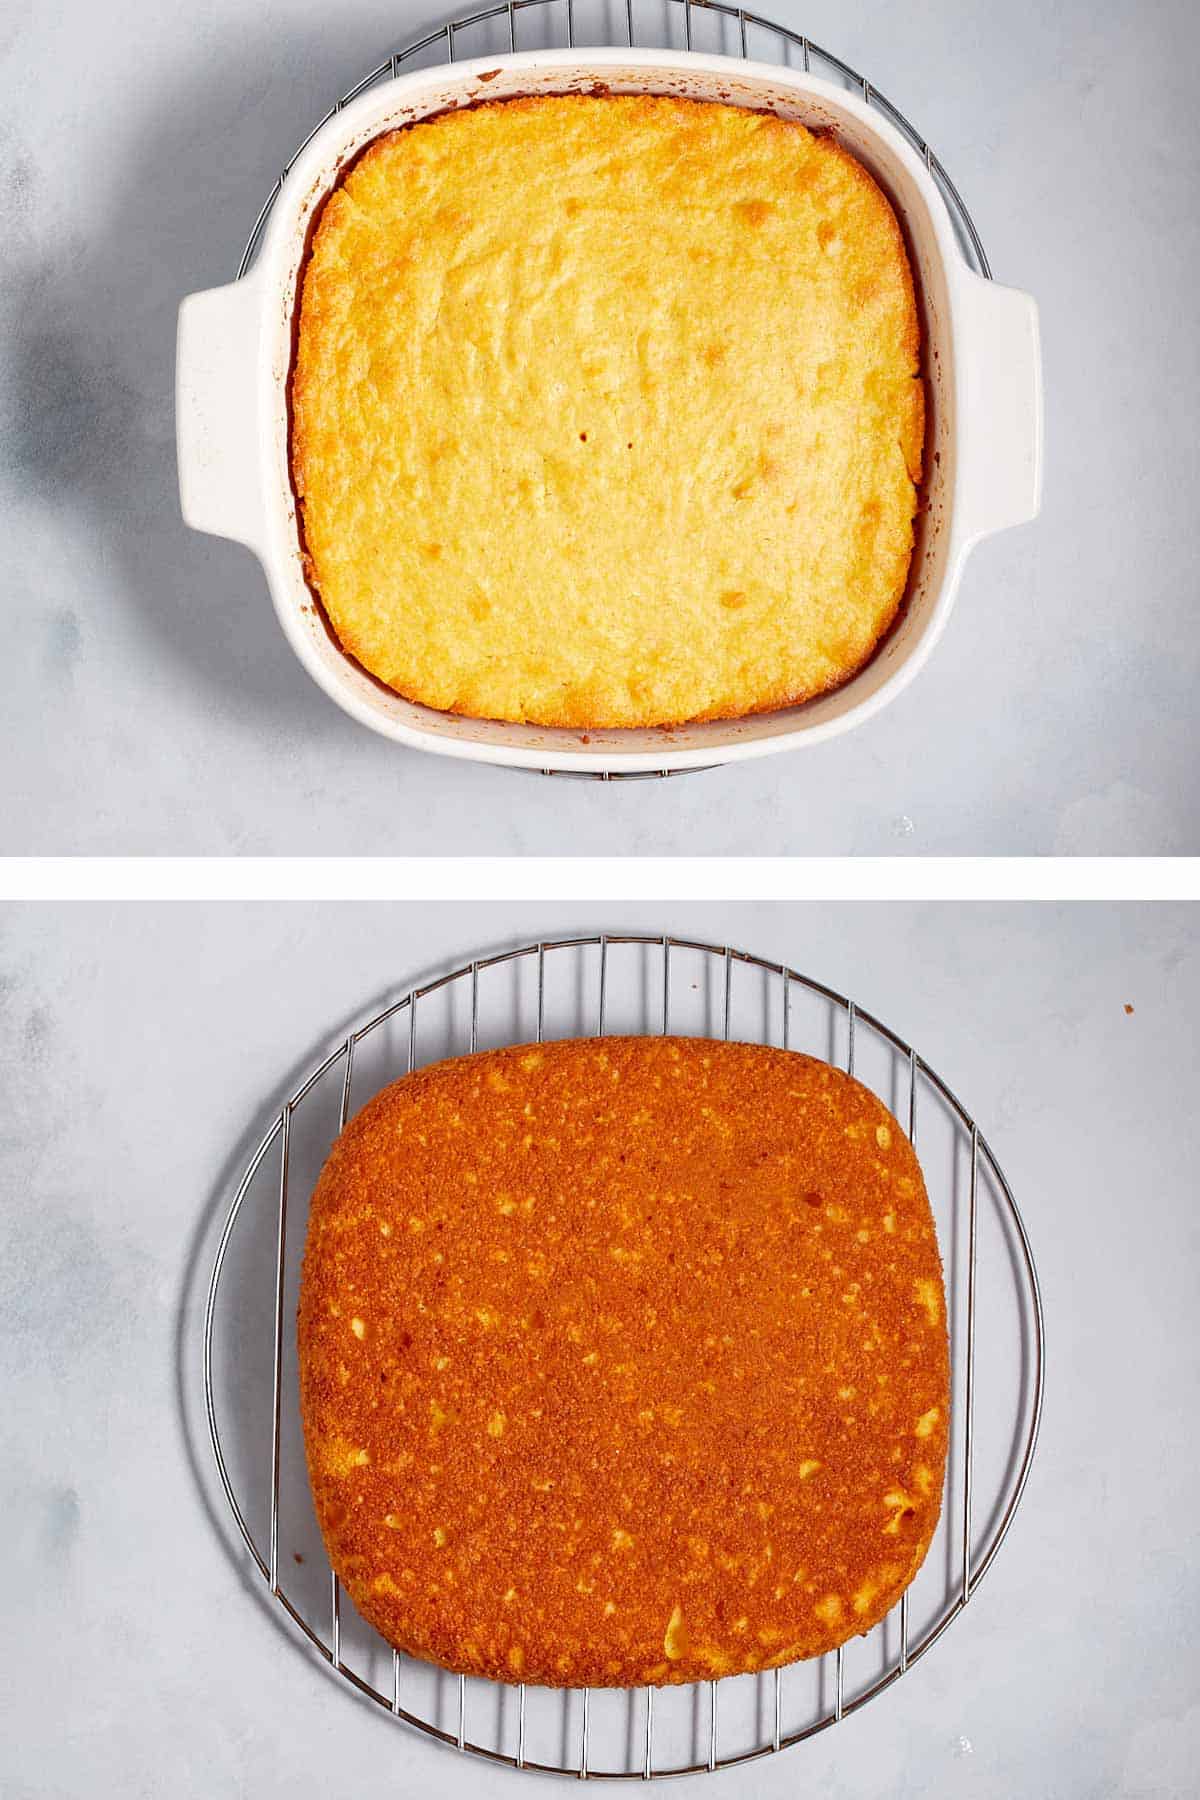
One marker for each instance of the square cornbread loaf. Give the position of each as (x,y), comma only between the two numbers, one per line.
(606,411)
(624,1360)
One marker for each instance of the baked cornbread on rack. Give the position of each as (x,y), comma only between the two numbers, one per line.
(623,1361)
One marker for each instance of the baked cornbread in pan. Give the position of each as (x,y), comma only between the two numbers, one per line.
(606,411)
(623,1360)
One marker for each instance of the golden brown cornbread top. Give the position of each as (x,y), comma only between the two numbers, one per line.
(604,411)
(623,1360)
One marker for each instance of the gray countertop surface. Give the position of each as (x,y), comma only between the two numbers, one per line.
(141,1051)
(151,704)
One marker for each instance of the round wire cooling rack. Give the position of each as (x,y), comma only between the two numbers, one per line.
(593,985)
(730,30)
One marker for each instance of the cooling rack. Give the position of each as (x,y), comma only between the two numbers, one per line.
(711,25)
(650,24)
(578,986)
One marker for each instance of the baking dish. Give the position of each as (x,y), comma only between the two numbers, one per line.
(981,367)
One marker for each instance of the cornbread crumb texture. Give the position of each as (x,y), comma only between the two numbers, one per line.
(623,1361)
(604,411)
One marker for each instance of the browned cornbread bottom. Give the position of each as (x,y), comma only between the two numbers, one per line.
(604,411)
(623,1360)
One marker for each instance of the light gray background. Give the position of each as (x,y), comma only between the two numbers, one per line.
(149,699)
(139,1050)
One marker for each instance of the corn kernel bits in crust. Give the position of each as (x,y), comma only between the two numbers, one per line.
(624,1361)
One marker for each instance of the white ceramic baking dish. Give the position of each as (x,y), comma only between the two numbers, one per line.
(983,387)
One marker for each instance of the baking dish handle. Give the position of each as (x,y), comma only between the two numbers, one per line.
(1001,407)
(217,412)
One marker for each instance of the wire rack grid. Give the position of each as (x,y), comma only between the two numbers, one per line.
(651,24)
(593,985)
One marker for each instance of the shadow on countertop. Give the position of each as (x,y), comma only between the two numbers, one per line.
(92,323)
